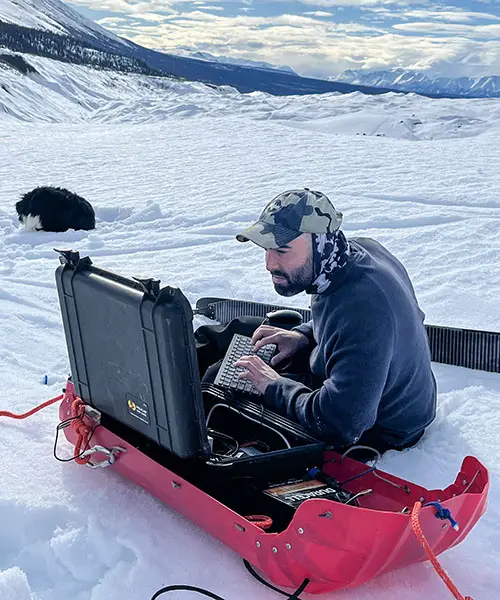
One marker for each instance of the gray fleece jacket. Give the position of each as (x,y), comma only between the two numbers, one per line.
(369,347)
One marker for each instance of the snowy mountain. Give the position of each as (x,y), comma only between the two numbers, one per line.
(416,81)
(52,29)
(65,48)
(227,60)
(56,17)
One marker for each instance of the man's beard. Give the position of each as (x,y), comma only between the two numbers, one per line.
(296,282)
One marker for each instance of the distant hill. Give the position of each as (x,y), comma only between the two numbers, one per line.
(420,83)
(227,60)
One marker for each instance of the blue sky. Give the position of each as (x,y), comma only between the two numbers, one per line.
(317,37)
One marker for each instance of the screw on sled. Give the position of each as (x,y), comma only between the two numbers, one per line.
(290,506)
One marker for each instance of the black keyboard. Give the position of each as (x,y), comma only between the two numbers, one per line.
(227,377)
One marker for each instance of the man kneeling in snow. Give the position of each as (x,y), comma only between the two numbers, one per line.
(368,379)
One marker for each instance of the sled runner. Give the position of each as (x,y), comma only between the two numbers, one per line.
(281,499)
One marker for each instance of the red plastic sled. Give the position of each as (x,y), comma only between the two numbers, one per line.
(332,544)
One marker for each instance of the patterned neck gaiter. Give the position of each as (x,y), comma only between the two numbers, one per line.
(330,253)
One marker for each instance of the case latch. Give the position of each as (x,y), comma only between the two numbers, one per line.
(72,259)
(150,286)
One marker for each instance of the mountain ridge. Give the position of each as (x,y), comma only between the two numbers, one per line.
(57,19)
(419,82)
(254,64)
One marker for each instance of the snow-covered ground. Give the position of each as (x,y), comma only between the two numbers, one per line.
(61,92)
(173,174)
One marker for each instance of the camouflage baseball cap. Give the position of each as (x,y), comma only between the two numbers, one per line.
(290,214)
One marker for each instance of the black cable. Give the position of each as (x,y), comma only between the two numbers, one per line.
(223,436)
(63,425)
(217,391)
(294,596)
(186,588)
(198,590)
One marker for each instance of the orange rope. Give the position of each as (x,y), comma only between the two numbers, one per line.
(82,430)
(417,530)
(262,521)
(6,413)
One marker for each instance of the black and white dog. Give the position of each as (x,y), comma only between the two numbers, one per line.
(54,209)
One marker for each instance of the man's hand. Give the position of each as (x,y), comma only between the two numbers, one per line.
(256,371)
(288,342)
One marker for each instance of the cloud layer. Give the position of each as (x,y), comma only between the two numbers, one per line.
(325,38)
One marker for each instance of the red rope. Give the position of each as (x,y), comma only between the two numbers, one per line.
(261,521)
(6,413)
(417,530)
(82,430)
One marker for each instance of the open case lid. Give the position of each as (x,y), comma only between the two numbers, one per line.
(132,353)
